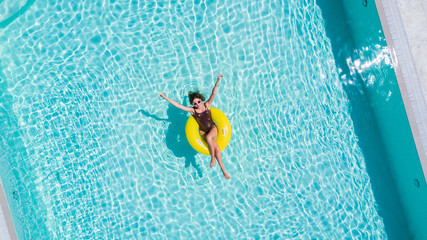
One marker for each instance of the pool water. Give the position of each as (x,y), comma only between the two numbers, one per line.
(88,150)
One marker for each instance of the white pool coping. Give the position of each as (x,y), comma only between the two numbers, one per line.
(404,27)
(7,229)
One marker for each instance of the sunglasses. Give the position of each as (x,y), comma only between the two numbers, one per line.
(197,103)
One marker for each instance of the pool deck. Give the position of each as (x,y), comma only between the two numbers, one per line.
(7,230)
(406,34)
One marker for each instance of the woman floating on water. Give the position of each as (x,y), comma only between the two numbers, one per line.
(202,113)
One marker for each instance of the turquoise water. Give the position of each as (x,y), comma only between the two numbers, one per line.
(88,150)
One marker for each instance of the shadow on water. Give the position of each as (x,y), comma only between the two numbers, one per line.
(366,127)
(176,140)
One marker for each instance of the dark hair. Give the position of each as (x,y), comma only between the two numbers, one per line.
(195,94)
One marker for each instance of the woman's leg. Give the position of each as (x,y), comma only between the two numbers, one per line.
(210,139)
(211,150)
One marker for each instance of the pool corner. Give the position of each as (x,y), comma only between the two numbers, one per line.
(7,229)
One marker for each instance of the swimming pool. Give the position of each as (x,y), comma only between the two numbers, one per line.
(91,152)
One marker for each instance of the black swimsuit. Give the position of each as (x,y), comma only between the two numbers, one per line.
(204,119)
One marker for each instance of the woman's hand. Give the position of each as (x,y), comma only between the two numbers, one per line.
(219,78)
(162,95)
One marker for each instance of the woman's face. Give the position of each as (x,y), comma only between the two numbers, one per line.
(197,102)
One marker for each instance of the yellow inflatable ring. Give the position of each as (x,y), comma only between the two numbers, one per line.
(224,132)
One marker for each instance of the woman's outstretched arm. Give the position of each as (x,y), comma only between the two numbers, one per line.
(214,90)
(182,107)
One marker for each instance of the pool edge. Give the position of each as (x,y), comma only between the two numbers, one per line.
(406,74)
(6,227)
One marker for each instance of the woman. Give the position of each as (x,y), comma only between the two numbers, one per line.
(202,113)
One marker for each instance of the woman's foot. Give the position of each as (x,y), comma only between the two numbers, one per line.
(212,161)
(226,175)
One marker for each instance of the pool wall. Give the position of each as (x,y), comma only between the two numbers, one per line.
(384,132)
(21,192)
(7,230)
(409,69)
(415,197)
